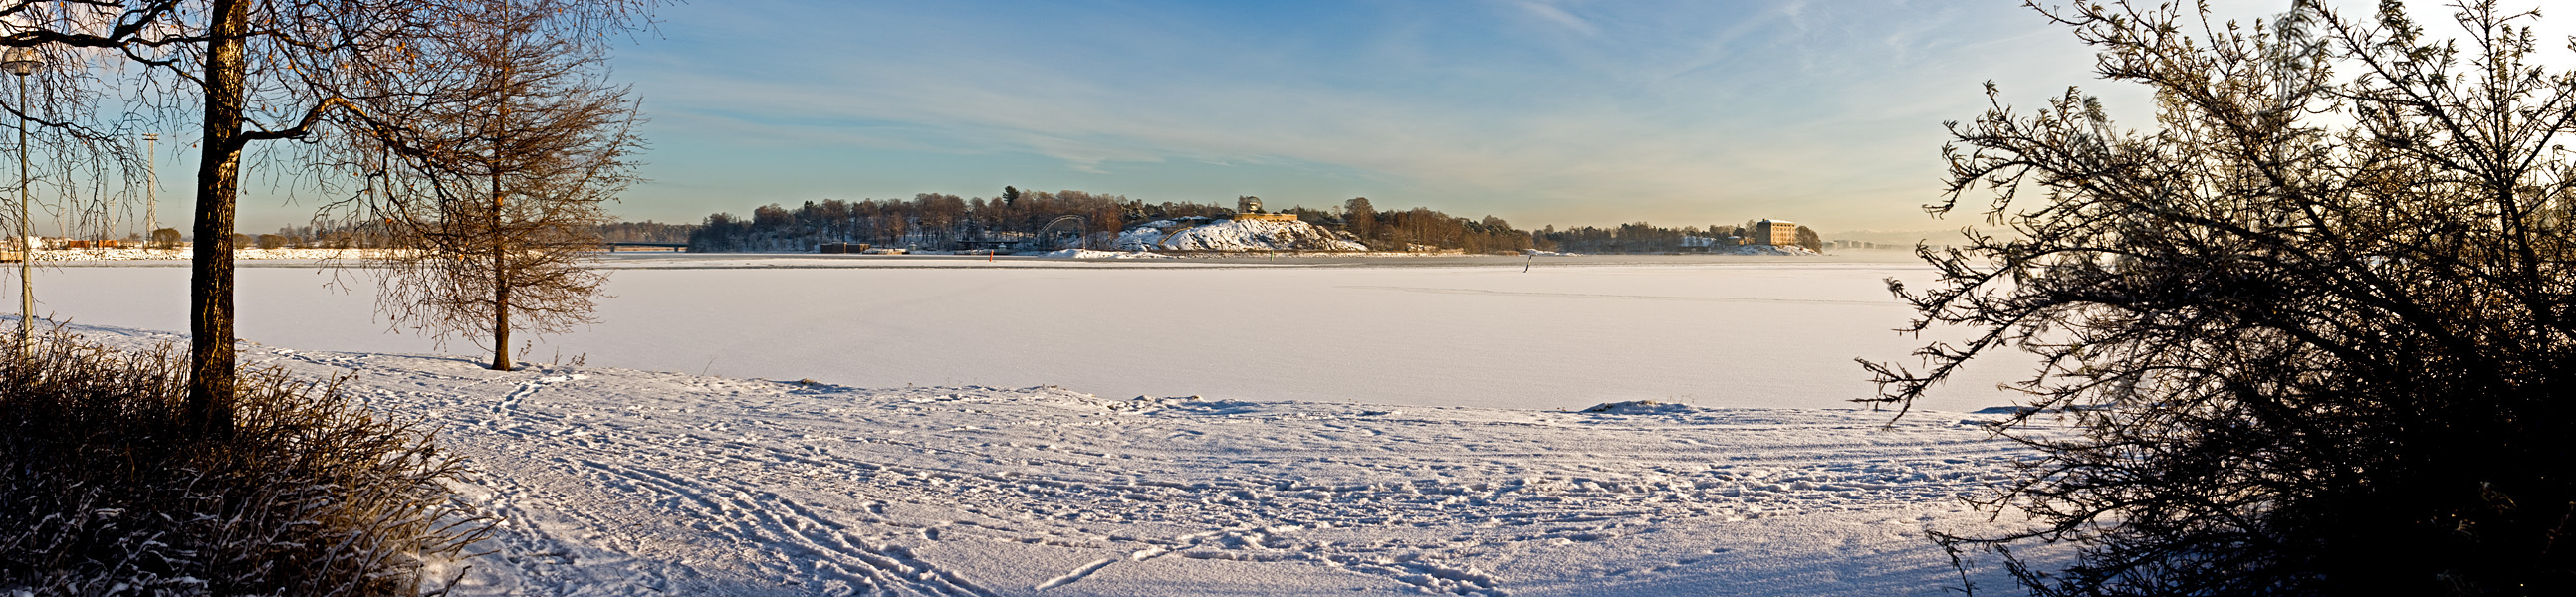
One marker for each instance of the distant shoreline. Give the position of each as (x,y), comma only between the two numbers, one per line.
(647,260)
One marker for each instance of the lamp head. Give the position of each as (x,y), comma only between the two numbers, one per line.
(21,61)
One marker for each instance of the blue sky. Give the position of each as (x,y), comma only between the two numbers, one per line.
(1565,112)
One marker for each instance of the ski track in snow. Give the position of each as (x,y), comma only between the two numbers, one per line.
(619,482)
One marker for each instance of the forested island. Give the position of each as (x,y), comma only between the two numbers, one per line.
(1041,220)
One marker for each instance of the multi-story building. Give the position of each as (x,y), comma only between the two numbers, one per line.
(1775,232)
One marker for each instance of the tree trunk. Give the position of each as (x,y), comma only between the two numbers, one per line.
(500,237)
(500,285)
(210,293)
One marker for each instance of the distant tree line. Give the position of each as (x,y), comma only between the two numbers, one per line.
(1422,228)
(1642,237)
(934,221)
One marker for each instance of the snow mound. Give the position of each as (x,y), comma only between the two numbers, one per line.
(1187,405)
(1091,254)
(1233,235)
(1639,407)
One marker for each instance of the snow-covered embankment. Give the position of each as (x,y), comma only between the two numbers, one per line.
(1233,235)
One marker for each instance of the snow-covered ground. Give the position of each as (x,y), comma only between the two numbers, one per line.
(1091,254)
(141,254)
(979,426)
(621,482)
(1781,250)
(1566,333)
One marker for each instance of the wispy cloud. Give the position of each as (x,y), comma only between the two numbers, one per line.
(1557,110)
(1553,13)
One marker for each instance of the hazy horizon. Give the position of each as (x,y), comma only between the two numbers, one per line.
(1541,112)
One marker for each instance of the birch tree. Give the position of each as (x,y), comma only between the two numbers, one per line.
(494,195)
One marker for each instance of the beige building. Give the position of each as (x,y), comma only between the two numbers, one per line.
(1775,232)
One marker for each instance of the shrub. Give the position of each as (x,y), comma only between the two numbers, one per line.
(104,491)
(2315,330)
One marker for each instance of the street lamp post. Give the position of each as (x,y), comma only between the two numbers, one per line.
(151,186)
(23,61)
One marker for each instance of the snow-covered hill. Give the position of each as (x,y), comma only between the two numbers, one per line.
(1232,235)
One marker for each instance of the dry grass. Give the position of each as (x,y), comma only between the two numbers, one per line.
(103,491)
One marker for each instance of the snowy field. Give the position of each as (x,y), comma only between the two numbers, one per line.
(1345,439)
(1569,333)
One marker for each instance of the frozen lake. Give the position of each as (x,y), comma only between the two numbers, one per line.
(1568,333)
(615,481)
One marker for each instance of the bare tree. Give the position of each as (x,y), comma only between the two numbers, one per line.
(2309,335)
(494,196)
(257,70)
